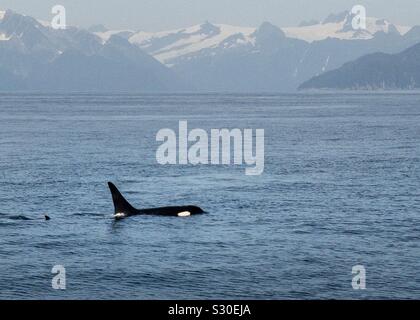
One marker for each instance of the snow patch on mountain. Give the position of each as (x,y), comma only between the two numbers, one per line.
(168,45)
(4,37)
(106,35)
(44,23)
(332,28)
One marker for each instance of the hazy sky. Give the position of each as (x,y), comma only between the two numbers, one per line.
(155,15)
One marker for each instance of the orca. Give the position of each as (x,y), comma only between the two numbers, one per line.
(124,209)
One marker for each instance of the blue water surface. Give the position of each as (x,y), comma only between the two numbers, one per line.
(341,187)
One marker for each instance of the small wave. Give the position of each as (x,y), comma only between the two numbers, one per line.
(90,214)
(5,224)
(19,217)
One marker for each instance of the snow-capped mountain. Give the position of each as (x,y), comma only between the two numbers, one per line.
(206,57)
(219,57)
(339,26)
(35,56)
(171,47)
(167,46)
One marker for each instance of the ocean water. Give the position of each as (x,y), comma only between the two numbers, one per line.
(341,187)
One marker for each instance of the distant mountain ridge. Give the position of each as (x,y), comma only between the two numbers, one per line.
(207,57)
(218,57)
(377,71)
(34,56)
(168,46)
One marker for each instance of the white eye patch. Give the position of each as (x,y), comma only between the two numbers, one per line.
(184,214)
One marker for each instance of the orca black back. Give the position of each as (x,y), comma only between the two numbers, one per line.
(123,209)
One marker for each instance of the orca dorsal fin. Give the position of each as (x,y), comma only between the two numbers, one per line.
(121,205)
